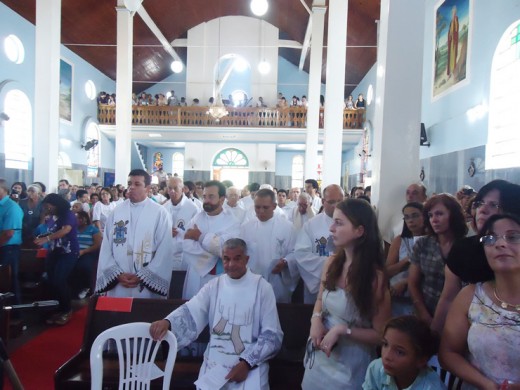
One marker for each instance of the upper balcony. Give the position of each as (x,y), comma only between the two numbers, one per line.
(237,117)
(248,124)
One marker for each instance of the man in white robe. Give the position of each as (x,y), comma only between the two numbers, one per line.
(247,202)
(270,239)
(135,256)
(314,244)
(302,213)
(231,203)
(204,237)
(292,197)
(181,211)
(245,331)
(312,188)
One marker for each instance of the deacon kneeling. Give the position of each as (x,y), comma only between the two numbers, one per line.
(245,331)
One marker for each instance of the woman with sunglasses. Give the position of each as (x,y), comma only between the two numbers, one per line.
(399,254)
(445,223)
(481,342)
(467,262)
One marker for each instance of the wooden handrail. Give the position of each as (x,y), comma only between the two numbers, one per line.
(237,117)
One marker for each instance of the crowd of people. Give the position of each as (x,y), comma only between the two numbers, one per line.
(170,99)
(449,283)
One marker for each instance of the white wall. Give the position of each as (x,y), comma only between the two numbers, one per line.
(238,35)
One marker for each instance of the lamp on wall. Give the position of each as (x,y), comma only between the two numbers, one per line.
(191,162)
(217,110)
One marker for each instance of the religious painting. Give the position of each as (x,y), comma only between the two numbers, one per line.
(452,45)
(157,161)
(66,73)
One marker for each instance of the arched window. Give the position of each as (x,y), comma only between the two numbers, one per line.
(18,130)
(297,171)
(178,164)
(230,158)
(92,133)
(503,147)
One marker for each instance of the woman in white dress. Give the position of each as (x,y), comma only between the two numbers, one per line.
(353,303)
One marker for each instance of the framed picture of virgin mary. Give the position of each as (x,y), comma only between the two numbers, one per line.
(451,46)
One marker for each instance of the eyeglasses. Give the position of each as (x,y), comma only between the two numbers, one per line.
(411,216)
(480,203)
(491,239)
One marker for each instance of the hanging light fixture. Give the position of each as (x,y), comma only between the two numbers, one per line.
(259,7)
(218,110)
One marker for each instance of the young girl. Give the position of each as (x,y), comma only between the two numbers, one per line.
(353,302)
(408,344)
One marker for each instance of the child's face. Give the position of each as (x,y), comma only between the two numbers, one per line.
(400,359)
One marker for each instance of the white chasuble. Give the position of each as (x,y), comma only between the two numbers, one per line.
(243,323)
(137,240)
(267,243)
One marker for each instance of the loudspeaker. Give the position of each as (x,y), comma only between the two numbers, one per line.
(424,137)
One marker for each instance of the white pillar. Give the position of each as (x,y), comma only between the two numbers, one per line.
(335,91)
(313,108)
(47,93)
(125,25)
(397,127)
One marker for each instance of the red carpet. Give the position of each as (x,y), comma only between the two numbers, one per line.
(36,361)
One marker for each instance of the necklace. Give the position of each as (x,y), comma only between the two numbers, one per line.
(504,304)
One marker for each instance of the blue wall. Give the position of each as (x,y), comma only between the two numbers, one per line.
(293,81)
(455,140)
(23,78)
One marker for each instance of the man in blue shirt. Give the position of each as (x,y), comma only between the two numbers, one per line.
(11,217)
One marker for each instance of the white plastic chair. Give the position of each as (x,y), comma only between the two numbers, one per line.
(136,351)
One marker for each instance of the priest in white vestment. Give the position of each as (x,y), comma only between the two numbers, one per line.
(231,204)
(303,212)
(245,332)
(314,243)
(181,211)
(270,239)
(204,237)
(135,256)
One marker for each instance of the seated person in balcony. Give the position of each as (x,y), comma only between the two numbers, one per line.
(195,102)
(295,102)
(103,98)
(349,103)
(134,99)
(260,103)
(282,103)
(161,100)
(183,102)
(360,102)
(240,309)
(112,99)
(211,101)
(305,102)
(143,99)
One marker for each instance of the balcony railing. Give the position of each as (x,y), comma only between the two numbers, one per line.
(238,117)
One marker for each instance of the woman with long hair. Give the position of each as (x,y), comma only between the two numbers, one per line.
(480,342)
(353,302)
(445,223)
(62,254)
(399,254)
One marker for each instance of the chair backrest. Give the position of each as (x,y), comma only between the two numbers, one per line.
(451,381)
(137,353)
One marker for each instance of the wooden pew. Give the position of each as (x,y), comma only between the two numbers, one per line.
(286,368)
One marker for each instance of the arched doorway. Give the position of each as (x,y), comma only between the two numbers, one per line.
(231,164)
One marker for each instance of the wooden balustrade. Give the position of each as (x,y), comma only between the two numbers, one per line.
(237,117)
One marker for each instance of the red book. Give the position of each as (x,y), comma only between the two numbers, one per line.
(114,304)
